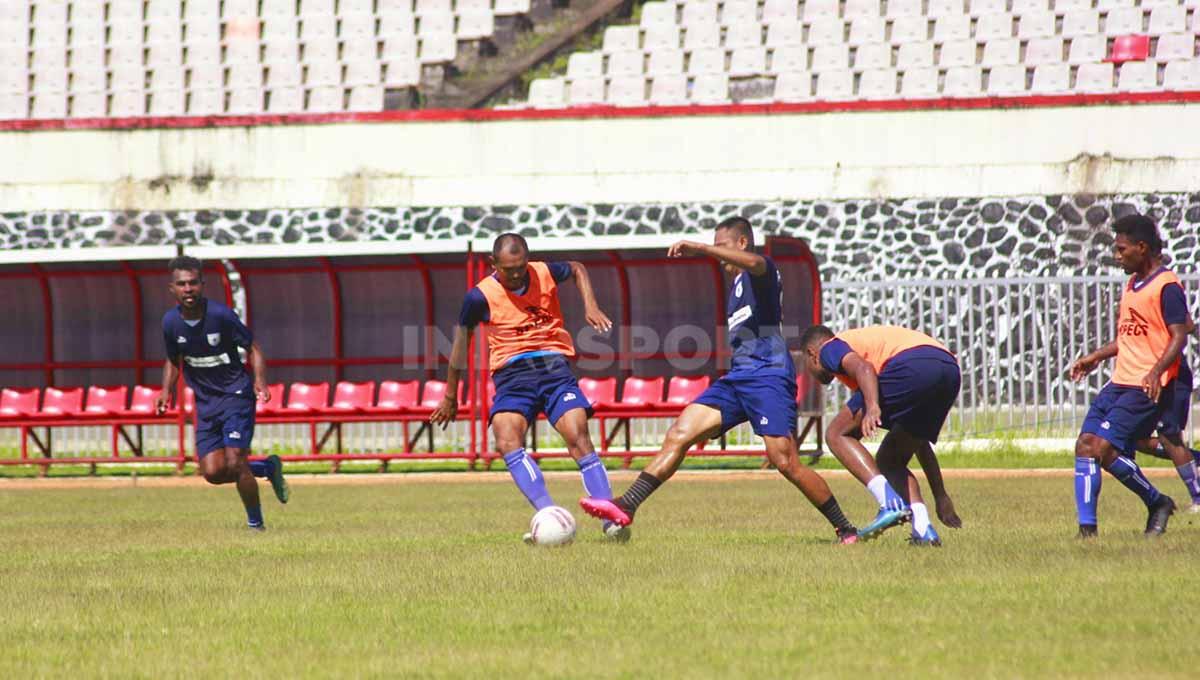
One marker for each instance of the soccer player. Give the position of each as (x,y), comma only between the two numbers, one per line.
(203,336)
(1168,444)
(1152,327)
(905,382)
(760,386)
(529,348)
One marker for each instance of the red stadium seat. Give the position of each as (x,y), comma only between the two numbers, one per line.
(1130,48)
(106,400)
(62,401)
(601,392)
(642,392)
(683,391)
(396,395)
(275,405)
(350,397)
(307,397)
(142,401)
(17,402)
(432,393)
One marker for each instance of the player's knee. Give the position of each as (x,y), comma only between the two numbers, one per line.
(1087,446)
(215,475)
(678,436)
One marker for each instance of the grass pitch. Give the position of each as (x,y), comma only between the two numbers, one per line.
(723,578)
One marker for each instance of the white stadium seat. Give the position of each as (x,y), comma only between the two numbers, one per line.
(585,65)
(919,83)
(669,90)
(1001,53)
(621,39)
(627,91)
(835,85)
(955,27)
(994,27)
(248,100)
(664,62)
(365,98)
(1040,25)
(748,61)
(793,86)
(775,11)
(285,100)
(702,35)
(877,84)
(585,91)
(907,29)
(326,99)
(818,10)
(743,35)
(735,12)
(711,60)
(698,13)
(1138,76)
(1044,51)
(904,8)
(548,93)
(1087,49)
(1123,21)
(914,55)
(710,89)
(830,58)
(959,53)
(625,64)
(826,32)
(1051,79)
(658,14)
(789,60)
(785,34)
(89,104)
(1006,80)
(945,8)
(856,9)
(867,30)
(1165,20)
(963,81)
(980,8)
(1080,22)
(1182,76)
(167,103)
(1176,47)
(873,56)
(1094,78)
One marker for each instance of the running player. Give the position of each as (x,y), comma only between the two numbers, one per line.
(1151,331)
(205,336)
(905,382)
(760,386)
(529,348)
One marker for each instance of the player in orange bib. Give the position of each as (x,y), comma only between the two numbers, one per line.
(529,348)
(1152,328)
(905,382)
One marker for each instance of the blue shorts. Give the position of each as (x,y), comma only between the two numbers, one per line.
(917,388)
(1121,415)
(224,422)
(543,384)
(1174,419)
(768,402)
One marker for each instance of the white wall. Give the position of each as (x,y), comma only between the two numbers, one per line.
(1099,149)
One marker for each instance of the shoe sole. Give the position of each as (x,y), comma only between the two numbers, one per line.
(278,484)
(877,527)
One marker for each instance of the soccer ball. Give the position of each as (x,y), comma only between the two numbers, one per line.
(552,526)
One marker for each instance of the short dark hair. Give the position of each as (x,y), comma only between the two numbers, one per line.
(186,263)
(1139,229)
(740,226)
(814,334)
(511,241)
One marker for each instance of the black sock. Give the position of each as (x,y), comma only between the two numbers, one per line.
(638,492)
(833,513)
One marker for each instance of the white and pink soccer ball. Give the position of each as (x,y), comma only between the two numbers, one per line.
(552,526)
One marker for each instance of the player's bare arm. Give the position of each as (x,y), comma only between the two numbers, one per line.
(742,259)
(1088,363)
(448,409)
(258,368)
(1152,383)
(933,473)
(596,318)
(170,376)
(868,383)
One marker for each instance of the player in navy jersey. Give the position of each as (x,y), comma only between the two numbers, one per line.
(760,386)
(204,336)
(1168,443)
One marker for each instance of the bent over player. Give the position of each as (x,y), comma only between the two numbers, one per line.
(904,382)
(529,347)
(204,336)
(760,386)
(1152,328)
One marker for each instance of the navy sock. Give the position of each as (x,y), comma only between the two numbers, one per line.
(1188,474)
(254,516)
(1087,490)
(1128,473)
(260,468)
(528,477)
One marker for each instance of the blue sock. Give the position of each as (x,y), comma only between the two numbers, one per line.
(1195,455)
(1128,473)
(1188,474)
(1087,489)
(254,516)
(260,468)
(528,476)
(595,477)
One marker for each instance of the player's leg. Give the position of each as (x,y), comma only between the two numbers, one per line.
(698,422)
(567,408)
(843,437)
(1185,465)
(237,465)
(509,429)
(1169,443)
(781,451)
(894,455)
(238,433)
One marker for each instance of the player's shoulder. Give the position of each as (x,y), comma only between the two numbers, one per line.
(170,317)
(216,308)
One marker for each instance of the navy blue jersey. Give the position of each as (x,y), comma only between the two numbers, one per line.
(755,312)
(211,364)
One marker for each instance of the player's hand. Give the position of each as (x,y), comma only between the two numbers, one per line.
(946,513)
(685,249)
(1152,385)
(872,418)
(262,392)
(1082,367)
(598,320)
(160,403)
(445,411)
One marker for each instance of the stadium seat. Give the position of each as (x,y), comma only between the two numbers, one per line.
(49,105)
(830,58)
(877,84)
(236,9)
(980,8)
(658,14)
(789,60)
(401,72)
(305,397)
(749,61)
(58,401)
(326,99)
(1182,76)
(963,81)
(89,79)
(435,24)
(548,93)
(127,102)
(400,47)
(1083,22)
(437,48)
(707,61)
(698,13)
(106,400)
(205,101)
(1165,20)
(511,7)
(475,25)
(856,9)
(16,402)
(952,27)
(315,8)
(627,91)
(432,393)
(777,11)
(785,34)
(710,88)
(245,100)
(1039,25)
(875,56)
(669,89)
(734,12)
(1130,48)
(1087,50)
(661,37)
(362,73)
(397,26)
(621,39)
(682,391)
(1023,7)
(278,8)
(818,10)
(1064,6)
(169,10)
(1138,76)
(640,392)
(600,392)
(353,397)
(835,85)
(365,98)
(205,53)
(625,64)
(897,9)
(997,26)
(285,100)
(743,35)
(396,396)
(826,32)
(1094,78)
(1006,80)
(323,73)
(665,62)
(1001,53)
(585,91)
(867,31)
(167,102)
(1044,51)
(585,65)
(1176,47)
(945,8)
(920,83)
(701,36)
(1051,79)
(908,29)
(278,75)
(164,32)
(1151,4)
(142,401)
(1123,21)
(1103,5)
(427,7)
(793,86)
(914,55)
(958,53)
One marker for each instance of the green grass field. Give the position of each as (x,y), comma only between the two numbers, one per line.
(723,578)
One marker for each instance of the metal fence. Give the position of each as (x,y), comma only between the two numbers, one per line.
(1015,339)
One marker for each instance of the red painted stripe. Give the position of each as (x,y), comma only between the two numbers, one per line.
(601,111)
